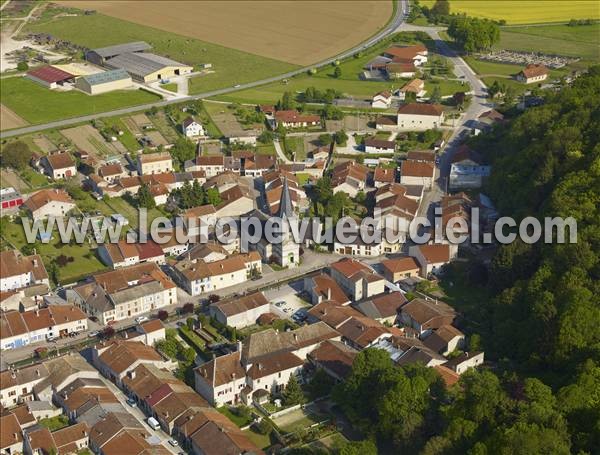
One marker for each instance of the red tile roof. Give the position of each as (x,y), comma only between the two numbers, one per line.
(534,71)
(50,74)
(421,109)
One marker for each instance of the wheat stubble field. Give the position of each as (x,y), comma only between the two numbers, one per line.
(298,32)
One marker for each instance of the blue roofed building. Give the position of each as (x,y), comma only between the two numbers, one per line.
(107,81)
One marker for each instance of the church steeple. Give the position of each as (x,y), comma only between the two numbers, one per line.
(285,203)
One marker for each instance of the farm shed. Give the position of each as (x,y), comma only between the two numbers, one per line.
(49,76)
(108,81)
(101,55)
(147,67)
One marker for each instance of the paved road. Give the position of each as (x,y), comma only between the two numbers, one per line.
(396,21)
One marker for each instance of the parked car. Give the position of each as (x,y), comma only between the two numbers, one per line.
(131,402)
(140,319)
(93,334)
(173,442)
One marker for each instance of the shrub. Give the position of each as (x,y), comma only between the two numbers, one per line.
(162,315)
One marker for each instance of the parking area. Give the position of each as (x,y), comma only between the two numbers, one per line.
(286,300)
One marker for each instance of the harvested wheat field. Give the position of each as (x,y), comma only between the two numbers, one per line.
(299,32)
(8,119)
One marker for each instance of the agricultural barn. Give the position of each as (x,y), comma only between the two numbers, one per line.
(49,76)
(108,81)
(101,55)
(146,67)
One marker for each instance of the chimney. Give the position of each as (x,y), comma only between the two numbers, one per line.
(328,293)
(295,337)
(15,435)
(35,263)
(13,374)
(37,373)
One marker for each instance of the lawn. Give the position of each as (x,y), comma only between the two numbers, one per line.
(230,66)
(239,421)
(580,41)
(304,420)
(127,138)
(37,104)
(492,68)
(525,11)
(55,423)
(85,261)
(120,205)
(262,441)
(265,149)
(295,145)
(172,87)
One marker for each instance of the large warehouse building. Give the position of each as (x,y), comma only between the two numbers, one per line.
(141,66)
(50,77)
(108,81)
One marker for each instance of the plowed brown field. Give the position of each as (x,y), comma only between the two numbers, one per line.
(299,32)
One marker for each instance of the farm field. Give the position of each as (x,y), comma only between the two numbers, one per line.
(87,138)
(580,41)
(25,97)
(223,118)
(230,66)
(525,11)
(296,32)
(8,119)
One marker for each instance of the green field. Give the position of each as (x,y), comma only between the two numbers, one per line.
(579,41)
(172,87)
(37,104)
(504,70)
(525,11)
(85,261)
(230,66)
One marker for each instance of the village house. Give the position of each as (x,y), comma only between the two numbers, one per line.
(262,365)
(110,173)
(355,245)
(423,156)
(431,258)
(357,279)
(382,308)
(124,293)
(240,312)
(400,268)
(49,202)
(362,332)
(154,163)
(322,287)
(71,439)
(191,128)
(417,173)
(383,176)
(11,436)
(331,313)
(124,254)
(235,202)
(349,177)
(420,116)
(400,69)
(467,169)
(382,100)
(445,339)
(18,271)
(464,361)
(197,276)
(16,386)
(533,73)
(374,145)
(415,86)
(116,358)
(335,358)
(211,164)
(59,165)
(425,315)
(456,214)
(416,53)
(294,119)
(44,324)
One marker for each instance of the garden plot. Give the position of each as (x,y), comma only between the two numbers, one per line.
(44,144)
(88,139)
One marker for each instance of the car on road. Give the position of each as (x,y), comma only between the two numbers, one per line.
(93,334)
(173,442)
(237,86)
(131,402)
(153,423)
(141,319)
(280,303)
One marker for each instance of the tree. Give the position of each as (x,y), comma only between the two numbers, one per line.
(436,95)
(213,196)
(145,198)
(286,102)
(264,426)
(214,298)
(162,315)
(22,66)
(292,393)
(341,137)
(266,137)
(190,322)
(325,139)
(187,308)
(337,72)
(473,34)
(16,155)
(320,385)
(441,8)
(183,150)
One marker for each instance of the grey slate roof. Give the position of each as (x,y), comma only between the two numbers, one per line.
(111,51)
(141,64)
(107,76)
(285,204)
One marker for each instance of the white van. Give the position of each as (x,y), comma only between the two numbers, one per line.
(153,423)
